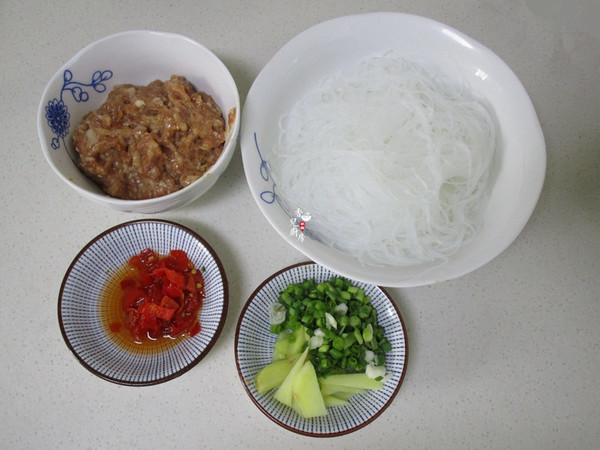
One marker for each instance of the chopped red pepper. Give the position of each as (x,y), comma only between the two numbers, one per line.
(195,329)
(163,297)
(177,260)
(192,285)
(131,297)
(127,283)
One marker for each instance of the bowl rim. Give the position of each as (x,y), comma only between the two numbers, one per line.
(124,204)
(192,363)
(379,412)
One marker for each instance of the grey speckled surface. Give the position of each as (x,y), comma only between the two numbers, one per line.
(505,357)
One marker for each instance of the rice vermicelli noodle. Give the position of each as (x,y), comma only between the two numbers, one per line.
(393,162)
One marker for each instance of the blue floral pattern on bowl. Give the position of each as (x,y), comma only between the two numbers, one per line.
(267,196)
(57,112)
(298,217)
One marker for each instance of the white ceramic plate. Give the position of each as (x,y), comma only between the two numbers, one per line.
(330,46)
(85,330)
(254,350)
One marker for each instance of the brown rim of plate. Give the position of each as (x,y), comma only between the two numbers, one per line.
(196,360)
(284,425)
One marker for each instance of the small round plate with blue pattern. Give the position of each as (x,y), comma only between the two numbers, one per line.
(84,324)
(254,350)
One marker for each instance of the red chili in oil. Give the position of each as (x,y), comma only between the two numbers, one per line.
(156,298)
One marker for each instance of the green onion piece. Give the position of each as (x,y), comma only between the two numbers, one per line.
(367,333)
(338,343)
(374,344)
(384,345)
(330,321)
(354,321)
(358,336)
(343,321)
(336,353)
(349,340)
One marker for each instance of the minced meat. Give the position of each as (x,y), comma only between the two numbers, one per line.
(149,141)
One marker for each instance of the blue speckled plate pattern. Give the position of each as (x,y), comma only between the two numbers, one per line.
(254,350)
(81,321)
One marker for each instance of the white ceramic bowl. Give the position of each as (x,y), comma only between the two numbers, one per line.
(135,57)
(327,48)
(254,350)
(85,328)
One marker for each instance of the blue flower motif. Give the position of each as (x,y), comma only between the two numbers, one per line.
(77,89)
(58,118)
(266,196)
(270,196)
(57,113)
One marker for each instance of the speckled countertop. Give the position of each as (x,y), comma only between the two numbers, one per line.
(505,357)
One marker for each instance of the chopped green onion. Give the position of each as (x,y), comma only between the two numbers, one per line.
(343,321)
(340,324)
(341,309)
(367,333)
(375,371)
(358,336)
(338,343)
(276,313)
(336,353)
(354,321)
(331,322)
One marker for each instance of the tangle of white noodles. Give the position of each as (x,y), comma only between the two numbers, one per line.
(392,163)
